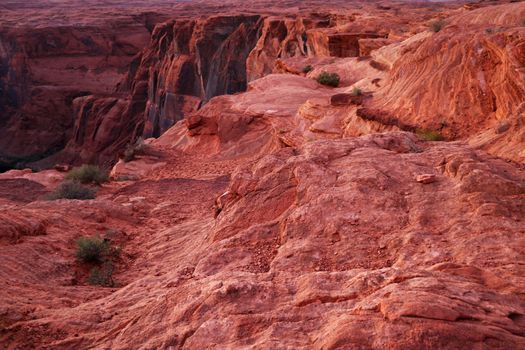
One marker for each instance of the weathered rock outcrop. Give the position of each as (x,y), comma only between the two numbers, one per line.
(463,80)
(186,63)
(328,245)
(280,39)
(263,220)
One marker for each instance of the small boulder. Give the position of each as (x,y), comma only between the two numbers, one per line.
(426,178)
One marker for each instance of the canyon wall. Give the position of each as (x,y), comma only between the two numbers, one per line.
(42,70)
(186,63)
(80,94)
(190,61)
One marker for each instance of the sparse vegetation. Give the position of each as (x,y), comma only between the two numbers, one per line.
(430,135)
(329,79)
(72,190)
(437,25)
(92,249)
(102,276)
(133,149)
(307,69)
(523,22)
(87,174)
(100,252)
(356,91)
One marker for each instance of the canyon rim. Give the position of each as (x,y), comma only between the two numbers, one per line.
(262,175)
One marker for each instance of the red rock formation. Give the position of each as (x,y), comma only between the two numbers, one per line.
(42,70)
(263,220)
(336,237)
(190,61)
(463,80)
(280,39)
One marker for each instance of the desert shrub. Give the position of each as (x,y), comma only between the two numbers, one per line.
(308,69)
(523,22)
(356,91)
(92,249)
(87,174)
(430,135)
(102,276)
(72,190)
(133,149)
(437,25)
(329,79)
(100,252)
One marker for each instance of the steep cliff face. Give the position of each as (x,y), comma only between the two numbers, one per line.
(190,61)
(313,36)
(279,39)
(186,63)
(42,70)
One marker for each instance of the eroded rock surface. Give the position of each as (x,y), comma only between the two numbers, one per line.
(292,215)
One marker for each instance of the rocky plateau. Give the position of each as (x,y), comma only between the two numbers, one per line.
(264,210)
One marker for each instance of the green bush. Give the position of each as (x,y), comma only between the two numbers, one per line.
(437,25)
(102,276)
(87,174)
(329,79)
(430,135)
(92,249)
(356,91)
(100,252)
(72,190)
(308,69)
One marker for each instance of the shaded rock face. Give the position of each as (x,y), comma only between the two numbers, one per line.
(347,44)
(42,70)
(186,63)
(189,62)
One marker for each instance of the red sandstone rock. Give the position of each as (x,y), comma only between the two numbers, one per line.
(426,178)
(468,98)
(330,235)
(262,221)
